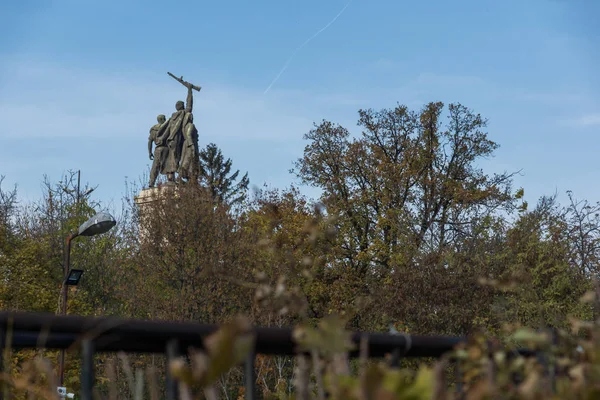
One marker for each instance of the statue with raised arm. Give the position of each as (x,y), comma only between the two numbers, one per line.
(160,150)
(189,167)
(173,130)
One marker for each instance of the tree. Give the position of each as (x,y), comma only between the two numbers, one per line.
(538,255)
(34,273)
(181,265)
(8,238)
(582,229)
(32,266)
(406,194)
(215,174)
(408,183)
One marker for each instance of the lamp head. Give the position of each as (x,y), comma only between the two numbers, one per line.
(98,224)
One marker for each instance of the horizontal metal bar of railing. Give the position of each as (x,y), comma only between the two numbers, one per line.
(30,330)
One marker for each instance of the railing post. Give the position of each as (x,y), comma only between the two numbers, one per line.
(2,352)
(398,353)
(552,373)
(395,361)
(250,376)
(87,369)
(458,376)
(172,353)
(543,359)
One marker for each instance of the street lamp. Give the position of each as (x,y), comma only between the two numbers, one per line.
(98,224)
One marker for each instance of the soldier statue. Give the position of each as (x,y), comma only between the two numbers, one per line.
(160,150)
(179,138)
(189,166)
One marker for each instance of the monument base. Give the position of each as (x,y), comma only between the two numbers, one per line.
(148,197)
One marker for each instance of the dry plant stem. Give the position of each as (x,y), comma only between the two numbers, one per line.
(339,367)
(491,372)
(333,389)
(128,372)
(586,373)
(200,362)
(111,374)
(211,393)
(139,384)
(44,365)
(318,374)
(184,391)
(597,296)
(31,395)
(7,354)
(223,384)
(439,380)
(302,378)
(6,382)
(153,383)
(341,364)
(364,358)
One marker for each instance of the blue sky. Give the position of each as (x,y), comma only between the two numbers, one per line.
(81,82)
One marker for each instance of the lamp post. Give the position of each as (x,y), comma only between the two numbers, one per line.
(98,224)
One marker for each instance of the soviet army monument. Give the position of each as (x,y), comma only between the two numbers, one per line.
(173,149)
(175,142)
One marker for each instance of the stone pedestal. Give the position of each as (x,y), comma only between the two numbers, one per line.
(151,197)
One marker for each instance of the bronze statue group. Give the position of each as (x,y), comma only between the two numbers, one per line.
(175,142)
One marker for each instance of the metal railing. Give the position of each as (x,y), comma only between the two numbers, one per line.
(106,334)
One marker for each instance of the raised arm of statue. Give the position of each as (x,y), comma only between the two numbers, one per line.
(189,103)
(190,87)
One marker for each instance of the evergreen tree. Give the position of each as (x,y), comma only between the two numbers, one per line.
(215,173)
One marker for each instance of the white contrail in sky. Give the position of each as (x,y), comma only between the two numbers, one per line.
(287,63)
